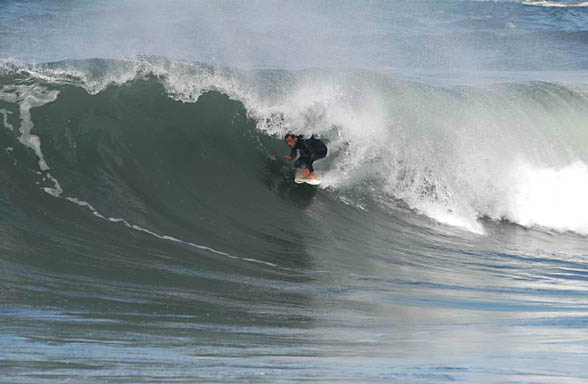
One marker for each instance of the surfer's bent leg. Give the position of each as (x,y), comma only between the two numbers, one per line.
(301,160)
(306,164)
(315,156)
(307,161)
(311,159)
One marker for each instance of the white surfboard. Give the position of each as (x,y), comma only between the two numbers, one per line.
(298,179)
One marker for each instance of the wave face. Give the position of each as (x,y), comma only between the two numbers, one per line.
(148,217)
(513,152)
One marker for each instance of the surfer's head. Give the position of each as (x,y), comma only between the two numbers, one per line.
(291,140)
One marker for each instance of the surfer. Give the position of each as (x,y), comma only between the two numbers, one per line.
(310,150)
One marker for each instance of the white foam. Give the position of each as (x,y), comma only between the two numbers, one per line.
(556,4)
(28,97)
(465,220)
(119,72)
(5,113)
(56,191)
(550,197)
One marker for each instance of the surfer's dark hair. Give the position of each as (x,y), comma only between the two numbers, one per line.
(289,135)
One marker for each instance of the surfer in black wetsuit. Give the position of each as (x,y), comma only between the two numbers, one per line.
(310,150)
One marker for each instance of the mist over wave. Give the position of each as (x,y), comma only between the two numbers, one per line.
(457,37)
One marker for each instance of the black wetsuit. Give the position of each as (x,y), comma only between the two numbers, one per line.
(310,150)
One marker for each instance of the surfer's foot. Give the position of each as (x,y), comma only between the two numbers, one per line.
(305,173)
(312,175)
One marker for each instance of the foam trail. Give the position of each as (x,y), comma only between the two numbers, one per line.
(5,113)
(136,227)
(28,97)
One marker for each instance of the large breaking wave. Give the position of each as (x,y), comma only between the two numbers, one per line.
(147,141)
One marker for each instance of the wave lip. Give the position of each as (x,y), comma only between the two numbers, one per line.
(556,4)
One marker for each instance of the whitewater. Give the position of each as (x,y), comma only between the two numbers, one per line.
(151,232)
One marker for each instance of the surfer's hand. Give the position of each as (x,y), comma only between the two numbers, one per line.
(288,158)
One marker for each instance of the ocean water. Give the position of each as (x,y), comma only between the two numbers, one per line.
(151,232)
